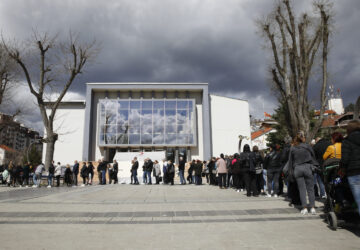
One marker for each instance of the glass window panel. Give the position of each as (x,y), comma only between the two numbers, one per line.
(147,105)
(181,116)
(123,116)
(182,139)
(110,129)
(170,139)
(134,129)
(170,117)
(123,104)
(182,129)
(191,139)
(110,138)
(134,104)
(110,116)
(191,105)
(159,104)
(182,104)
(122,139)
(146,139)
(170,104)
(146,121)
(158,121)
(170,128)
(134,139)
(122,128)
(134,117)
(158,139)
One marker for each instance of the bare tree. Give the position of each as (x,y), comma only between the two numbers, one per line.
(56,66)
(7,73)
(357,109)
(295,44)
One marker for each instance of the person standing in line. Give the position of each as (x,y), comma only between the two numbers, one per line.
(149,168)
(75,172)
(319,149)
(259,160)
(190,172)
(247,159)
(91,172)
(134,169)
(110,171)
(51,174)
(198,171)
(222,171)
(84,172)
(116,170)
(228,167)
(157,172)
(171,172)
(98,170)
(144,176)
(182,170)
(236,172)
(103,168)
(302,160)
(58,174)
(165,172)
(68,176)
(273,166)
(26,171)
(350,159)
(38,172)
(212,171)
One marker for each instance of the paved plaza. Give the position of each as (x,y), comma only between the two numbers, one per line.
(159,217)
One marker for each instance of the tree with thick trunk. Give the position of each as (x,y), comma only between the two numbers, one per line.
(56,66)
(295,43)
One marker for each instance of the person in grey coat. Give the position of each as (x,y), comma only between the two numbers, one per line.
(157,171)
(301,160)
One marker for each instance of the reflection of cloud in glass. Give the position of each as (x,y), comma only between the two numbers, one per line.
(146,122)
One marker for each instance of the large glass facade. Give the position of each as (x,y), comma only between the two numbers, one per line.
(151,122)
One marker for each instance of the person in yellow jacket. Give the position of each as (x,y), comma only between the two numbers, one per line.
(334,150)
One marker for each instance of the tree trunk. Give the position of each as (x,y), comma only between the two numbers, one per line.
(357,109)
(50,148)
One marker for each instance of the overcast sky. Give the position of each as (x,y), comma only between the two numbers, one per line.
(182,41)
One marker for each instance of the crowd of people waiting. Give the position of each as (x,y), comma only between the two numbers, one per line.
(296,165)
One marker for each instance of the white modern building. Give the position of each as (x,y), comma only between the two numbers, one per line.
(179,119)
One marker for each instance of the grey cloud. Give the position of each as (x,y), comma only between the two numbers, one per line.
(207,41)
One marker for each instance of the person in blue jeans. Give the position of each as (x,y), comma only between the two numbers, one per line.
(318,181)
(350,158)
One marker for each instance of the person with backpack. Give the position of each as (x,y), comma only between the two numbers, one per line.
(247,159)
(68,176)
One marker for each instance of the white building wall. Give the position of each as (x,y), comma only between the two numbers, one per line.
(69,125)
(229,119)
(336,104)
(198,152)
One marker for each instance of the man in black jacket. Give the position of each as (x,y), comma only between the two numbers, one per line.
(51,174)
(319,150)
(273,165)
(75,173)
(134,168)
(148,169)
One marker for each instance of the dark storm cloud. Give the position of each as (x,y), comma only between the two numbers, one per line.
(184,41)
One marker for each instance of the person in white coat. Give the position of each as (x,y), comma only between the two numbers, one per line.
(58,174)
(157,171)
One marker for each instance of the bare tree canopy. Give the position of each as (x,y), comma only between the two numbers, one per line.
(296,43)
(7,73)
(49,68)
